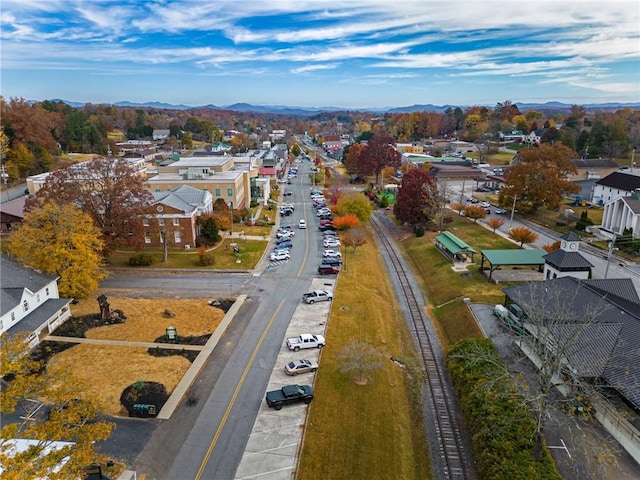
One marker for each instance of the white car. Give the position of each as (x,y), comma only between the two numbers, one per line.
(485,204)
(285,233)
(280,255)
(332,254)
(330,242)
(302,224)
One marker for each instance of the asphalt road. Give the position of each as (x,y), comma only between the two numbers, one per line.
(207,438)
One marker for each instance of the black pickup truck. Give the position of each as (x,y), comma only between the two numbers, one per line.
(289,394)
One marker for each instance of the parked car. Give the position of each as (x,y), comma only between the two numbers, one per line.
(287,194)
(300,366)
(280,255)
(331,243)
(499,210)
(328,269)
(286,238)
(485,204)
(317,296)
(331,253)
(289,394)
(306,340)
(302,224)
(335,261)
(326,221)
(284,246)
(285,233)
(327,227)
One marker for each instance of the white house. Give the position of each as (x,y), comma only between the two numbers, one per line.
(615,185)
(29,302)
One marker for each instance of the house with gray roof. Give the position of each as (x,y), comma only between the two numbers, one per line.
(601,335)
(29,302)
(174,215)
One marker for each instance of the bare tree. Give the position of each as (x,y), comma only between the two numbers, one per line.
(359,359)
(354,237)
(570,333)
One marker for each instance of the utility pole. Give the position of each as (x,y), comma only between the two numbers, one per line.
(610,254)
(513,209)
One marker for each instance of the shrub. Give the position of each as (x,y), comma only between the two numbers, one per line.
(150,393)
(419,230)
(141,260)
(204,257)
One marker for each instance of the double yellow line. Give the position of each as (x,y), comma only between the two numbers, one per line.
(212,445)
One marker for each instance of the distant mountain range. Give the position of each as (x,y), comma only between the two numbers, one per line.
(309,111)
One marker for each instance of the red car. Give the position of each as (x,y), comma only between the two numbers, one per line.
(328,270)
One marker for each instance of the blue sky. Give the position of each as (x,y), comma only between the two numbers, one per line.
(339,53)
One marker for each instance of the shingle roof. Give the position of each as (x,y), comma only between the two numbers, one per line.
(184,198)
(608,344)
(15,278)
(594,163)
(632,202)
(621,181)
(564,260)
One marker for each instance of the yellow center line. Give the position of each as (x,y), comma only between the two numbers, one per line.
(235,394)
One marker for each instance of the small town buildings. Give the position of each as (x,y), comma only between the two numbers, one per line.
(11,215)
(160,134)
(621,214)
(29,302)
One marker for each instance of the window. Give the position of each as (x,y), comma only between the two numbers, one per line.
(176,236)
(147,237)
(217,192)
(229,192)
(145,222)
(47,291)
(161,222)
(13,317)
(38,297)
(25,306)
(176,222)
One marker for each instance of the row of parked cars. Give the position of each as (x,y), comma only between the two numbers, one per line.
(331,256)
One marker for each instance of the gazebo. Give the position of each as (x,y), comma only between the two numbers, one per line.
(453,248)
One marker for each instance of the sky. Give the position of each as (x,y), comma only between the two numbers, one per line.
(352,54)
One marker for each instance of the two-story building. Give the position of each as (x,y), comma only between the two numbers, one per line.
(29,302)
(174,215)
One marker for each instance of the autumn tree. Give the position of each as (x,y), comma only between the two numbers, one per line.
(61,240)
(418,201)
(495,223)
(70,418)
(109,190)
(352,161)
(346,222)
(380,152)
(539,177)
(474,212)
(354,238)
(354,203)
(523,235)
(359,359)
(551,247)
(457,207)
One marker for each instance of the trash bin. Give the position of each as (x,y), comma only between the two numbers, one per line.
(143,410)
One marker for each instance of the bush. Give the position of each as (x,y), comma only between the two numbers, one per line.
(419,231)
(204,257)
(150,393)
(141,260)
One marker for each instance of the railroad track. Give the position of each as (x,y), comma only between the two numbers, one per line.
(450,456)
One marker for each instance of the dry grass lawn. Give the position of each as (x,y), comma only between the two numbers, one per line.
(146,320)
(107,370)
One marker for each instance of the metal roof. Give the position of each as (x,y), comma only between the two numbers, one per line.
(608,326)
(515,256)
(621,181)
(562,259)
(453,244)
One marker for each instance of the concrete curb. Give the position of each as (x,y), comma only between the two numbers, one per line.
(188,378)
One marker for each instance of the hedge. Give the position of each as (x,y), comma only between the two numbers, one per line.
(502,429)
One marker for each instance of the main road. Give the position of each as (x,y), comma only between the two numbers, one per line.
(207,435)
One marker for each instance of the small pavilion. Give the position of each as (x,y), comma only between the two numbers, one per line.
(512,257)
(454,248)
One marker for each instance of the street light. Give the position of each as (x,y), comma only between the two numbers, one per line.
(231,210)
